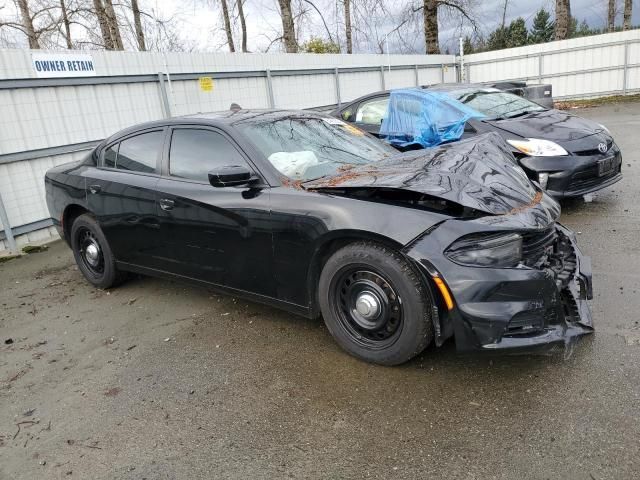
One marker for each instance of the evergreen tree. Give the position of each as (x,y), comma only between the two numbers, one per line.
(498,39)
(543,28)
(573,27)
(517,34)
(584,30)
(467,46)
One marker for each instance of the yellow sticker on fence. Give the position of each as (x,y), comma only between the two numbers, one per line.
(206,84)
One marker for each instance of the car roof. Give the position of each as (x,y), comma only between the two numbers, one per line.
(438,87)
(220,118)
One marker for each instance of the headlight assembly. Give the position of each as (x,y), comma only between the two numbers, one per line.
(499,250)
(536,147)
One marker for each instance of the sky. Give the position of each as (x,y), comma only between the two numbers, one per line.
(199,21)
(263,19)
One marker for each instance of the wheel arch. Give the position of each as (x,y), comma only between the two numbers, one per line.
(327,246)
(69,215)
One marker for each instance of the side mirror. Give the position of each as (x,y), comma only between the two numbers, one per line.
(231,176)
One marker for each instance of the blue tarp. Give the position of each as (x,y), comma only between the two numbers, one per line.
(427,118)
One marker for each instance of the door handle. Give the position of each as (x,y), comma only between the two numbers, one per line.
(95,189)
(166,204)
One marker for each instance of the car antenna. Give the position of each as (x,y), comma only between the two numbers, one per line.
(235,107)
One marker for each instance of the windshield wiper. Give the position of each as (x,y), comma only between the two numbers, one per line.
(520,114)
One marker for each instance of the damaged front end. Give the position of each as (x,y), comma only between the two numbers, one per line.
(537,304)
(506,275)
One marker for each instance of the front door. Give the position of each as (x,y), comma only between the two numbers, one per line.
(221,235)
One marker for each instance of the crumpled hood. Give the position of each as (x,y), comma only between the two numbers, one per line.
(554,125)
(479,173)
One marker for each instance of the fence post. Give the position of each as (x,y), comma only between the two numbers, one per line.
(382,77)
(163,95)
(540,63)
(442,73)
(272,102)
(337,78)
(415,72)
(625,72)
(4,218)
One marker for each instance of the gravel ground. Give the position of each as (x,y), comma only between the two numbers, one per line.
(159,380)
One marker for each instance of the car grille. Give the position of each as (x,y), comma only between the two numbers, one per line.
(588,178)
(593,151)
(535,244)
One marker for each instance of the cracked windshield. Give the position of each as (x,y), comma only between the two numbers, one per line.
(304,149)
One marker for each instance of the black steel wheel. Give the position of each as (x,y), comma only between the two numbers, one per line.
(90,251)
(375,304)
(93,254)
(367,306)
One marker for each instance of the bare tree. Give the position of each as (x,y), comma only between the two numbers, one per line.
(626,23)
(611,16)
(504,13)
(114,27)
(430,10)
(227,25)
(66,23)
(243,24)
(430,14)
(135,8)
(563,19)
(347,25)
(288,26)
(34,19)
(103,21)
(376,27)
(27,23)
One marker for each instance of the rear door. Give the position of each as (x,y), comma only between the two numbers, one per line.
(221,235)
(121,193)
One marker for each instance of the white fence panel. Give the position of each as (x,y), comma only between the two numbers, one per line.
(301,91)
(186,97)
(580,67)
(356,84)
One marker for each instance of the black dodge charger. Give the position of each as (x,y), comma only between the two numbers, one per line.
(567,155)
(308,213)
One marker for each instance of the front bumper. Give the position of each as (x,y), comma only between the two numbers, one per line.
(514,309)
(580,174)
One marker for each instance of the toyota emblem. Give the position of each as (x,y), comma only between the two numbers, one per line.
(602,147)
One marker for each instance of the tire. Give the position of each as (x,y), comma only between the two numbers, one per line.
(375,304)
(93,254)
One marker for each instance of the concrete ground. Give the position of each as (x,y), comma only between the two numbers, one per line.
(157,380)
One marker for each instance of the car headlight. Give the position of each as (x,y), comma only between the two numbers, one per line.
(498,250)
(537,147)
(604,128)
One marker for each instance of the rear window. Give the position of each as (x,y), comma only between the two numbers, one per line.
(136,154)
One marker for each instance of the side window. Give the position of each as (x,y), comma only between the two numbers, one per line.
(110,155)
(194,152)
(372,112)
(139,153)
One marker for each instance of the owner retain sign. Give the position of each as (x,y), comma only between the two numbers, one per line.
(48,65)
